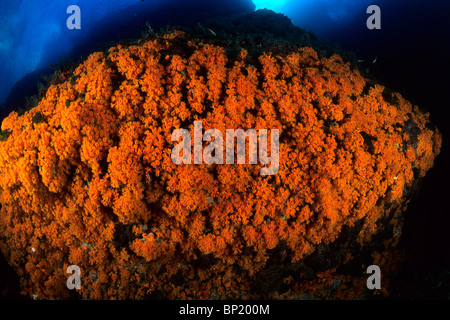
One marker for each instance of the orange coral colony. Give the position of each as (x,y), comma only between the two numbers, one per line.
(86,177)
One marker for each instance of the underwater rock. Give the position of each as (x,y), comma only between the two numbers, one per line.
(86,176)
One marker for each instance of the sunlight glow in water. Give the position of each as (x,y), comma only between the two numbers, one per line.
(275,5)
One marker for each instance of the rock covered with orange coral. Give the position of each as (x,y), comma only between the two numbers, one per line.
(86,177)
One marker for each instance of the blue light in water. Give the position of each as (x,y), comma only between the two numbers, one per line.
(275,5)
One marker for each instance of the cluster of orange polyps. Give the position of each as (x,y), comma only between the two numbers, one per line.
(92,183)
(213,153)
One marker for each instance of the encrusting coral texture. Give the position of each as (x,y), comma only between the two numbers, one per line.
(86,177)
